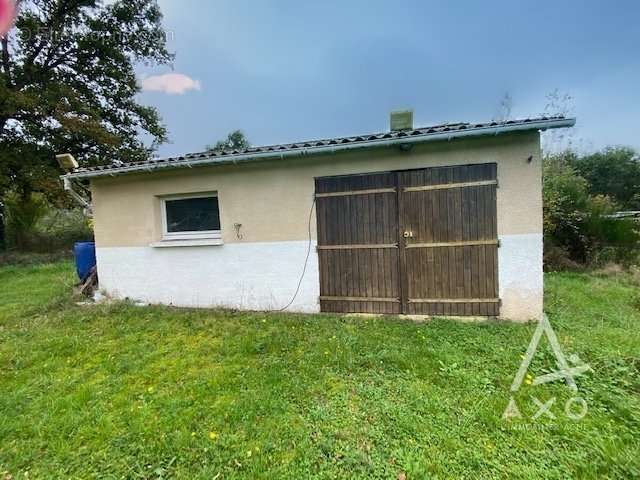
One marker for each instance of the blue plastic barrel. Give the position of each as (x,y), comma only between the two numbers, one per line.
(85,253)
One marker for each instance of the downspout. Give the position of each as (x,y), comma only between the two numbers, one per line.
(68,187)
(69,164)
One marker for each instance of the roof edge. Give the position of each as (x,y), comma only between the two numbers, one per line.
(542,124)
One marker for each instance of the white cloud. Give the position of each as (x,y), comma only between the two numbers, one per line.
(170,83)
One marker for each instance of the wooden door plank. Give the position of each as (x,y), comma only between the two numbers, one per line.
(454,300)
(450,185)
(358,246)
(453,244)
(359,299)
(355,192)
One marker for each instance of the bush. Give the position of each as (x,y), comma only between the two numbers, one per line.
(61,228)
(565,199)
(557,259)
(33,225)
(21,218)
(578,227)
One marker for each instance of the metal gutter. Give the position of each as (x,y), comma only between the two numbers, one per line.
(316,150)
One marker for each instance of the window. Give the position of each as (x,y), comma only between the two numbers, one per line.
(188,217)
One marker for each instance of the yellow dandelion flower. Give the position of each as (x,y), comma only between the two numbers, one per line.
(528,381)
(213,435)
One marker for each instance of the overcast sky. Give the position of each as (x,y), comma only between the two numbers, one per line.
(295,70)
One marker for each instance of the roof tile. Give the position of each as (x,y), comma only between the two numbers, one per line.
(447,127)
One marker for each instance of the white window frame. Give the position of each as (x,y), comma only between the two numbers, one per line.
(192,235)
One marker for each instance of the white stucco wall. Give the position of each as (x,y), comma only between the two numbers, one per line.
(245,276)
(520,277)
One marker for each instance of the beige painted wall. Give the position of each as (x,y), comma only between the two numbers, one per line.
(272,199)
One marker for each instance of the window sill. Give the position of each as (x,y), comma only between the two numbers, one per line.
(187,243)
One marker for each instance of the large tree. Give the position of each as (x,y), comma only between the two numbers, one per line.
(68,84)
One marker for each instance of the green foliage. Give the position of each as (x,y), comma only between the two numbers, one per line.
(120,391)
(22,215)
(34,225)
(565,204)
(236,140)
(68,84)
(577,222)
(60,228)
(614,172)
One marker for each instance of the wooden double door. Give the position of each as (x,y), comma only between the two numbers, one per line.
(415,242)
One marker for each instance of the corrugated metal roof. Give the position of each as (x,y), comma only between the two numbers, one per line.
(417,135)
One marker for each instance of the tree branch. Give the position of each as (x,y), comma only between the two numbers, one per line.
(61,59)
(55,22)
(6,68)
(6,59)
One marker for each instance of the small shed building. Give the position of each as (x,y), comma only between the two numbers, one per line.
(440,220)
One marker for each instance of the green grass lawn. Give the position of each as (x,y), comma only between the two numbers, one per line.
(121,391)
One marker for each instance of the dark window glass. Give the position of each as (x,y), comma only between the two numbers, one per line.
(192,214)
